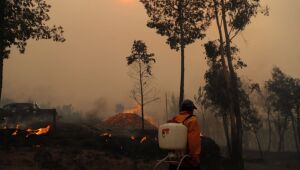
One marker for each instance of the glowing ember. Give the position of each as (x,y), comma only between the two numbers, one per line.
(18,126)
(143,139)
(39,131)
(15,133)
(106,134)
(17,130)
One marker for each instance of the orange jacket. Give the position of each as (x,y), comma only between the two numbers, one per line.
(194,140)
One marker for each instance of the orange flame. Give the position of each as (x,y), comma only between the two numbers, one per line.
(136,109)
(143,139)
(39,131)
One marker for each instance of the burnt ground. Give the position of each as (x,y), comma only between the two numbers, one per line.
(84,147)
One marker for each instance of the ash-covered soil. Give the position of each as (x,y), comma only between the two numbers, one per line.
(98,147)
(68,159)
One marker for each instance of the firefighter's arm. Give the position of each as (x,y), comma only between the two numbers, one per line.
(194,140)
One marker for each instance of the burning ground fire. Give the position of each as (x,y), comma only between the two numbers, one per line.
(132,138)
(39,131)
(131,119)
(17,130)
(137,109)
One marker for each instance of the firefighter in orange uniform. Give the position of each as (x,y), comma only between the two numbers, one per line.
(194,141)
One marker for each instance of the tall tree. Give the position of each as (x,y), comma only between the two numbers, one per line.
(281,88)
(217,84)
(141,64)
(182,21)
(266,104)
(21,20)
(296,101)
(232,17)
(252,122)
(203,105)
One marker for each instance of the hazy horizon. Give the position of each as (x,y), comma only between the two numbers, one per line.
(91,64)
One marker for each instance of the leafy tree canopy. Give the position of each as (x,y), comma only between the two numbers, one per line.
(182,21)
(21,20)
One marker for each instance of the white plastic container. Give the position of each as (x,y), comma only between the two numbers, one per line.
(172,136)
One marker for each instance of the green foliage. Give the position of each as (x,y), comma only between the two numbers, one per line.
(284,103)
(182,21)
(216,92)
(251,120)
(140,55)
(240,12)
(281,89)
(21,20)
(215,87)
(212,50)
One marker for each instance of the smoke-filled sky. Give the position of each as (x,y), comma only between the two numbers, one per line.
(91,64)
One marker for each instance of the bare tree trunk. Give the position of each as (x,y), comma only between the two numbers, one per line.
(142,95)
(237,148)
(280,133)
(298,122)
(225,125)
(2,44)
(270,131)
(181,97)
(259,146)
(167,112)
(182,47)
(280,141)
(1,75)
(282,129)
(295,133)
(226,76)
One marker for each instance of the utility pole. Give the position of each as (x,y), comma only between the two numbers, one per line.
(167,106)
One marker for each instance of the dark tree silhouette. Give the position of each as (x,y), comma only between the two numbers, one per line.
(21,20)
(252,122)
(232,17)
(296,102)
(216,85)
(141,63)
(266,105)
(182,21)
(283,97)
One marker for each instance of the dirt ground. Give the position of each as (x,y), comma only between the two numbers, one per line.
(272,161)
(77,147)
(67,159)
(39,158)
